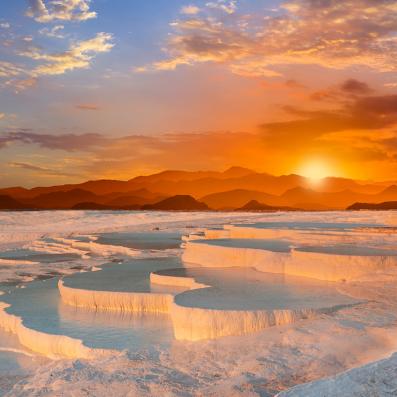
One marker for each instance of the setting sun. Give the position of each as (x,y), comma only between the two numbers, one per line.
(316,170)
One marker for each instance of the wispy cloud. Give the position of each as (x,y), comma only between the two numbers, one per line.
(331,34)
(228,6)
(19,85)
(54,32)
(78,56)
(40,169)
(9,69)
(190,10)
(64,10)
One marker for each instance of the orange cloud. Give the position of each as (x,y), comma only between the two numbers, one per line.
(332,34)
(359,130)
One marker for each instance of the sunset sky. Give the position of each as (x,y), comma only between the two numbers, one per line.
(118,88)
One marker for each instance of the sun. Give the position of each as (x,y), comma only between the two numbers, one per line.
(315,170)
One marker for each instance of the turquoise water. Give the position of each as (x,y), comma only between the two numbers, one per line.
(285,246)
(133,275)
(155,240)
(309,225)
(45,312)
(267,244)
(34,256)
(349,249)
(248,289)
(41,308)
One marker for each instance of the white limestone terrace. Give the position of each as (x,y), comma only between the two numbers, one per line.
(262,363)
(238,301)
(218,303)
(43,324)
(337,262)
(376,234)
(35,314)
(211,303)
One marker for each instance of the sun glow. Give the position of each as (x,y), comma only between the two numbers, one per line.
(316,170)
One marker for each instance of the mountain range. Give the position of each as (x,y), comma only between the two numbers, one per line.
(233,189)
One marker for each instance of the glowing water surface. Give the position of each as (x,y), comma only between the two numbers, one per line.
(248,289)
(296,225)
(267,244)
(285,246)
(156,240)
(41,308)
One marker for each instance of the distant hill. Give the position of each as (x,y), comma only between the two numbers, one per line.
(254,205)
(62,200)
(91,206)
(177,203)
(237,198)
(9,203)
(133,201)
(387,205)
(228,190)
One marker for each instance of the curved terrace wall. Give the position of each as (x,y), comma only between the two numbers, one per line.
(53,346)
(322,266)
(109,300)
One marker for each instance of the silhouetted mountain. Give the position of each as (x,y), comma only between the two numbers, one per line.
(177,203)
(72,198)
(388,205)
(199,184)
(9,203)
(15,192)
(333,184)
(237,198)
(62,200)
(91,206)
(254,205)
(311,199)
(130,201)
(388,194)
(230,189)
(237,172)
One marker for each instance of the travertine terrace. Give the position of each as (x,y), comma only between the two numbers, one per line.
(231,281)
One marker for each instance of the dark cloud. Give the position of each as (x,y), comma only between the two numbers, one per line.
(353,86)
(67,142)
(4,142)
(40,169)
(364,113)
(87,106)
(348,90)
(384,106)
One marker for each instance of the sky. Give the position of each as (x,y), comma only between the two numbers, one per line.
(119,88)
